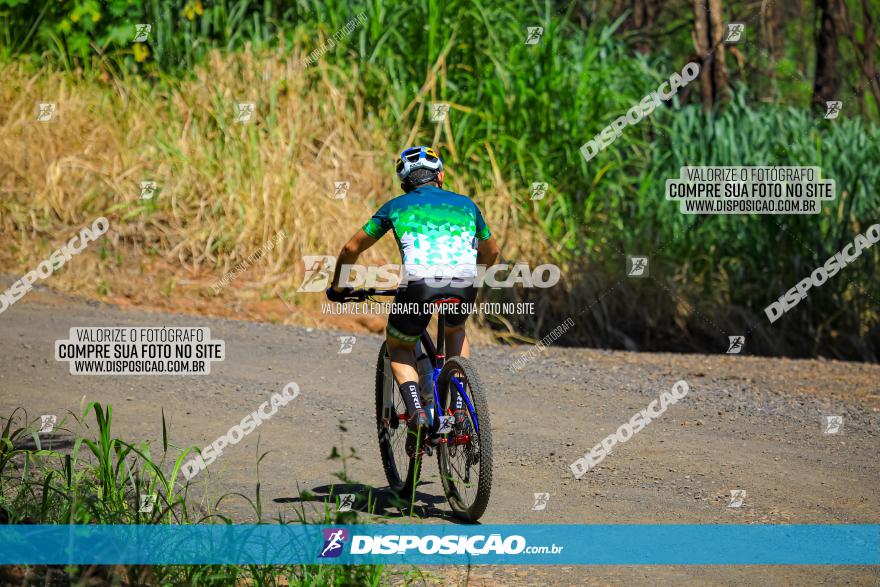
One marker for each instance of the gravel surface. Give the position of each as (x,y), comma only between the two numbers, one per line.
(747,423)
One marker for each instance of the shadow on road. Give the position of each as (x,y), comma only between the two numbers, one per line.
(375,501)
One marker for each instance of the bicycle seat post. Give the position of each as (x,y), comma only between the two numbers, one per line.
(441,339)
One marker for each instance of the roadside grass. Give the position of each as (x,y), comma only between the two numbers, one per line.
(99,479)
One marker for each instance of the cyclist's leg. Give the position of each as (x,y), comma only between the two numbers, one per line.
(456,341)
(402,333)
(403,358)
(454,332)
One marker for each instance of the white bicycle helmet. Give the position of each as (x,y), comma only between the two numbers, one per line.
(418,158)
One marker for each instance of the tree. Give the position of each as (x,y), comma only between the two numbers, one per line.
(826,85)
(708,39)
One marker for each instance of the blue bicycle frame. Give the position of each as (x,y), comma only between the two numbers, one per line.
(437,357)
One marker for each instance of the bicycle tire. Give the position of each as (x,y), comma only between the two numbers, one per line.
(397,484)
(469,512)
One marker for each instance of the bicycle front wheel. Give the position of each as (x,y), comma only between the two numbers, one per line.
(465,459)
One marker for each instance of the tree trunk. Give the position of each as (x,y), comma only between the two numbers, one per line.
(869,68)
(719,67)
(826,86)
(708,37)
(701,43)
(773,31)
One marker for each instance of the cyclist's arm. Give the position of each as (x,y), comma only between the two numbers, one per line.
(487,252)
(349,254)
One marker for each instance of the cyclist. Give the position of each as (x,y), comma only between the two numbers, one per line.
(442,239)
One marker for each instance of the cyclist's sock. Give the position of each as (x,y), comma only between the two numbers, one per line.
(410,392)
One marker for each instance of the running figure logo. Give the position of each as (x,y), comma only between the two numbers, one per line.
(832,109)
(318,270)
(439,111)
(833,424)
(244,112)
(46,111)
(148,190)
(334,539)
(541,501)
(340,189)
(637,266)
(346,501)
(47,423)
(735,31)
(346,344)
(539,190)
(737,497)
(736,344)
(534,34)
(141,33)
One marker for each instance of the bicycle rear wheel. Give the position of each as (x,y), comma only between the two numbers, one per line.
(401,471)
(465,459)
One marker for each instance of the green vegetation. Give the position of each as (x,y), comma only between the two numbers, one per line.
(519,114)
(96,478)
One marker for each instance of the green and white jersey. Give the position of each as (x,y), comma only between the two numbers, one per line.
(436,231)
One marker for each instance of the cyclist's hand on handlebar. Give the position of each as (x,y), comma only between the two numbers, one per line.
(340,295)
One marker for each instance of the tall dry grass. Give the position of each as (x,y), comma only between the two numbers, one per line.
(224,188)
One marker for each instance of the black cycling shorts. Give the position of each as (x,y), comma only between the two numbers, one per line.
(409,316)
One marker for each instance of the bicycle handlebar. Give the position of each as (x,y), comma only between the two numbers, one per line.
(359,295)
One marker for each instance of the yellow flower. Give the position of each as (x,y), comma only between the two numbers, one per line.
(141,52)
(192,9)
(96,16)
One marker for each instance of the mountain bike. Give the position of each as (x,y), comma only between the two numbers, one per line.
(464,448)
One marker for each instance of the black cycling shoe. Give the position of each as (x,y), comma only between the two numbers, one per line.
(418,420)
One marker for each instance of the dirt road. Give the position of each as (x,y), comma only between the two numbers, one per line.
(748,423)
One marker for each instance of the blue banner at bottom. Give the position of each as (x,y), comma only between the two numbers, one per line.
(518,544)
